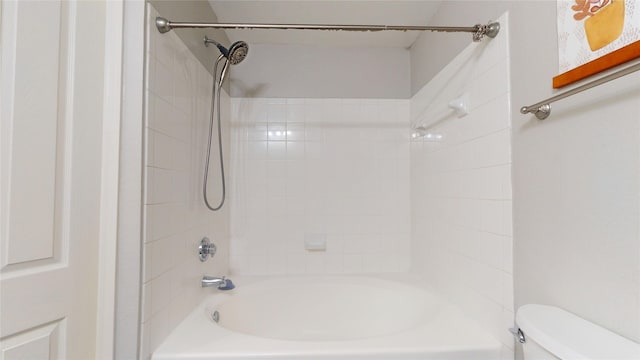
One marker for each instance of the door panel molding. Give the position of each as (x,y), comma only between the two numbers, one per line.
(42,342)
(36,206)
(52,240)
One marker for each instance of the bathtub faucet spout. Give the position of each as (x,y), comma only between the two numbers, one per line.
(217,282)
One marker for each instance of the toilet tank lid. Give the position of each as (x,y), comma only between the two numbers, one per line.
(568,336)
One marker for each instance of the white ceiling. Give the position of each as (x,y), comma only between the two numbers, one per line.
(352,12)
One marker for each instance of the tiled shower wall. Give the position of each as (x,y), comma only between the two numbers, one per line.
(336,169)
(461,186)
(177,116)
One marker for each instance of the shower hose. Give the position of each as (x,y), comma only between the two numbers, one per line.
(215,103)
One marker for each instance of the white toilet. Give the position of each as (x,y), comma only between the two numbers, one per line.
(552,333)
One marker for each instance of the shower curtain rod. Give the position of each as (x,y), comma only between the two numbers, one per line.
(478,31)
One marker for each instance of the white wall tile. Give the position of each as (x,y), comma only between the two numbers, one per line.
(461,188)
(161,80)
(158,328)
(175,218)
(328,171)
(352,263)
(160,293)
(295,264)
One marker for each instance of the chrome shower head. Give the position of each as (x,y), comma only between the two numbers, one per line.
(235,53)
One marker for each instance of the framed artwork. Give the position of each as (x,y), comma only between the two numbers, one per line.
(595,35)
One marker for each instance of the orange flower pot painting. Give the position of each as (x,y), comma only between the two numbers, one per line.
(595,35)
(604,20)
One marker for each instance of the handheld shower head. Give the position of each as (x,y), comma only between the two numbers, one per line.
(235,53)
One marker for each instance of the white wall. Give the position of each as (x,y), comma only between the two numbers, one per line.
(303,71)
(128,287)
(461,187)
(336,167)
(575,175)
(175,219)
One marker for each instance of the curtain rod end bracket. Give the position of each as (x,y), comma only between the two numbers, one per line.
(491,30)
(163,25)
(541,112)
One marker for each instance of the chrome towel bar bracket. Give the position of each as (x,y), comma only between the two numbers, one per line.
(542,109)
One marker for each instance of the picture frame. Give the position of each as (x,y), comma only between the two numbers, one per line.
(611,60)
(594,36)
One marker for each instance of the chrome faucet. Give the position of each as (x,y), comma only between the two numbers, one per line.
(217,282)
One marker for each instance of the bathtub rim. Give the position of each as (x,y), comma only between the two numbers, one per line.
(194,337)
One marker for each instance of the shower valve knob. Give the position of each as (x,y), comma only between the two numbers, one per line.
(206,249)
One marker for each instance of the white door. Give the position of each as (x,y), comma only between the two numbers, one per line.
(52,94)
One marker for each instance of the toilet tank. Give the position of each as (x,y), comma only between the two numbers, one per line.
(552,333)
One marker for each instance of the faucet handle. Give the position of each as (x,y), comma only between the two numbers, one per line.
(206,249)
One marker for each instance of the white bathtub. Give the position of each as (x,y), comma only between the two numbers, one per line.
(329,317)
